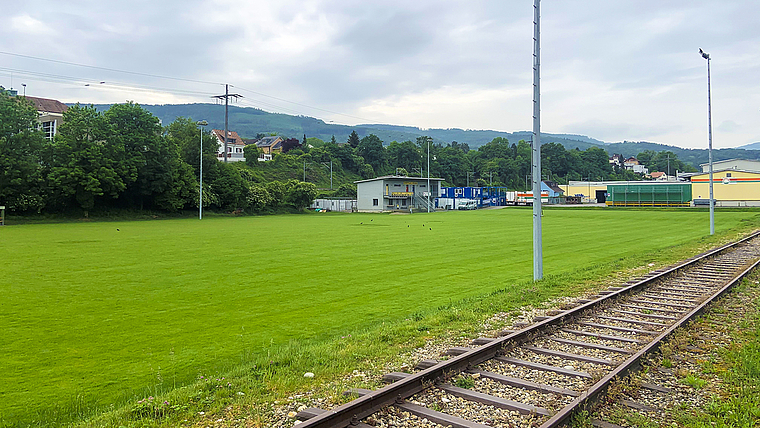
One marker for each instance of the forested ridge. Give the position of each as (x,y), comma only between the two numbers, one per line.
(250,121)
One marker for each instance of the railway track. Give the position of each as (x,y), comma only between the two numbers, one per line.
(542,374)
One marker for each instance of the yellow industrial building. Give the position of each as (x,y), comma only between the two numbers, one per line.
(731,188)
(596,191)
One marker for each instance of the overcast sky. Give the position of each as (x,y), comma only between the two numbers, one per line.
(612,70)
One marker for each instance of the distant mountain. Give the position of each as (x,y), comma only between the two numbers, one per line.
(751,146)
(248,122)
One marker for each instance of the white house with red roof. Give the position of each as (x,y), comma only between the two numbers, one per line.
(51,114)
(235,146)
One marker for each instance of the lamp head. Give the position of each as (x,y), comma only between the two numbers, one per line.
(705,55)
(201,123)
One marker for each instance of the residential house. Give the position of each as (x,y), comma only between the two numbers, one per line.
(633,164)
(51,114)
(616,160)
(556,194)
(235,146)
(659,176)
(270,145)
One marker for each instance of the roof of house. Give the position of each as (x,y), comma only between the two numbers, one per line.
(694,174)
(657,174)
(398,177)
(232,137)
(272,142)
(552,185)
(47,105)
(730,160)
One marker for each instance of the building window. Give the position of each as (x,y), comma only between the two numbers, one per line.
(374,202)
(728,174)
(422,185)
(49,129)
(396,185)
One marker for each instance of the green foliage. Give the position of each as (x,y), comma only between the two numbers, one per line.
(694,381)
(21,152)
(372,150)
(464,381)
(299,194)
(85,164)
(353,140)
(252,154)
(258,198)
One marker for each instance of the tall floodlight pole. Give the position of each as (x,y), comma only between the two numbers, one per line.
(538,256)
(200,189)
(428,184)
(706,56)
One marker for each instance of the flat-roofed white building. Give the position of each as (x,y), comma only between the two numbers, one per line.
(738,164)
(396,193)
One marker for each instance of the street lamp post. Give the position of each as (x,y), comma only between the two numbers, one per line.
(200,193)
(706,56)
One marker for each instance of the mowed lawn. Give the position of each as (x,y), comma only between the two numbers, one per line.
(98,313)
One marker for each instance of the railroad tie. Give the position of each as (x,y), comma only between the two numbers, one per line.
(524,384)
(543,367)
(590,345)
(618,328)
(601,336)
(569,356)
(490,400)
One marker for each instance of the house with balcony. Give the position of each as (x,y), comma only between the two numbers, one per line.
(51,114)
(235,146)
(396,193)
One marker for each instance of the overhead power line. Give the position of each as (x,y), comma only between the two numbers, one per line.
(136,73)
(40,76)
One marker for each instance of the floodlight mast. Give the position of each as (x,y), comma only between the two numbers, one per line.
(538,258)
(201,123)
(706,56)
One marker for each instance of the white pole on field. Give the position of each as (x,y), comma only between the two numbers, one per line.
(706,56)
(201,124)
(538,257)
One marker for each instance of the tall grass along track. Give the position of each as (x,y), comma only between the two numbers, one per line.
(546,372)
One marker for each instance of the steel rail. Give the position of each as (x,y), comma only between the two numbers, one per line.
(634,362)
(368,404)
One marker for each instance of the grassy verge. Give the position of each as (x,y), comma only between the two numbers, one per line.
(737,401)
(249,393)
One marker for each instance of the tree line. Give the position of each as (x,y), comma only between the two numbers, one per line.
(123,158)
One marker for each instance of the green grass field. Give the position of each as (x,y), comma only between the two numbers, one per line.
(95,314)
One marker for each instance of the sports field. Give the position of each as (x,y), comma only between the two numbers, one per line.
(93,314)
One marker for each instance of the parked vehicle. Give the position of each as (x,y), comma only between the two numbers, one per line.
(468,205)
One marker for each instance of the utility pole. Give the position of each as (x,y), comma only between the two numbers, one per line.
(226,97)
(538,257)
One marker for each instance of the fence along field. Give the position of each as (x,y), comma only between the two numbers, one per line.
(94,314)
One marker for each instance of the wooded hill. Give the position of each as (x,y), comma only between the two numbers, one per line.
(248,122)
